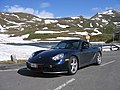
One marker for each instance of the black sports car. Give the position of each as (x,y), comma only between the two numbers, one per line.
(66,56)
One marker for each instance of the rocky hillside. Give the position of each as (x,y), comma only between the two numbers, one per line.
(18,24)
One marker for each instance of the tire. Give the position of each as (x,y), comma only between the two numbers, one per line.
(99,58)
(73,65)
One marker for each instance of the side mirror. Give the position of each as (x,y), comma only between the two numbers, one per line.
(81,49)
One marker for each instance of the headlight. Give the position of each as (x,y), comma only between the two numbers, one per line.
(58,56)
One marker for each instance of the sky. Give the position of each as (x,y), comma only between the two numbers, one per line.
(59,8)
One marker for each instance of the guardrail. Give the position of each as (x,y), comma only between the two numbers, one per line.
(108,47)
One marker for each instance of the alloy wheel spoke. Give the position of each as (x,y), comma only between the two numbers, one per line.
(73,65)
(99,59)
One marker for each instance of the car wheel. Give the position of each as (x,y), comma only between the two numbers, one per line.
(73,65)
(99,59)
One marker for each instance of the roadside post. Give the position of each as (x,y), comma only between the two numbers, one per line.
(13,58)
(88,37)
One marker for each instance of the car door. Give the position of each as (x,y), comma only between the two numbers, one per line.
(86,53)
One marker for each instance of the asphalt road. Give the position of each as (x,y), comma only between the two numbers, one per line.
(103,77)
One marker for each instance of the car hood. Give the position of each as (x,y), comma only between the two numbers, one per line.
(46,56)
(54,52)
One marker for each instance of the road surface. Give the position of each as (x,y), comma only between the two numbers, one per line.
(103,77)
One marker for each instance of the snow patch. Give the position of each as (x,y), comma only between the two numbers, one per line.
(36,19)
(96,32)
(4,38)
(22,29)
(50,21)
(30,21)
(105,21)
(2,29)
(87,28)
(25,36)
(75,17)
(80,25)
(21,52)
(45,28)
(108,12)
(72,33)
(98,19)
(64,31)
(101,25)
(69,20)
(3,13)
(99,15)
(81,21)
(19,24)
(7,27)
(51,39)
(67,38)
(82,33)
(46,32)
(97,42)
(97,24)
(15,16)
(117,23)
(63,26)
(7,14)
(91,25)
(36,40)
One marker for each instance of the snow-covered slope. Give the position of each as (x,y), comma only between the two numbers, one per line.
(107,17)
(20,52)
(19,24)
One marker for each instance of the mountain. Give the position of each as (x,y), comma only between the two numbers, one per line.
(108,20)
(18,24)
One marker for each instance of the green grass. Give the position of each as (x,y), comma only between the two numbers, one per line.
(45,36)
(30,28)
(102,37)
(12,62)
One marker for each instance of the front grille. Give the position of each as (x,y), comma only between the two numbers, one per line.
(40,67)
(48,68)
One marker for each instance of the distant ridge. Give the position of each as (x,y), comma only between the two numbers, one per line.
(17,24)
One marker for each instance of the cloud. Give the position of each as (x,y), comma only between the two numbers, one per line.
(45,5)
(95,9)
(17,8)
(116,7)
(46,14)
(108,8)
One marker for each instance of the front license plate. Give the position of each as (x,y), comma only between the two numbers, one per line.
(33,65)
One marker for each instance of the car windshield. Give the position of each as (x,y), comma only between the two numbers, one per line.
(67,45)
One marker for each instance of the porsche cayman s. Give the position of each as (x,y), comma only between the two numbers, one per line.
(67,56)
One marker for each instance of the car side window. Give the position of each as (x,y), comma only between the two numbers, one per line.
(76,45)
(85,45)
(62,45)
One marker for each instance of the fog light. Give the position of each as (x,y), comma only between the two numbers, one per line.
(67,59)
(50,66)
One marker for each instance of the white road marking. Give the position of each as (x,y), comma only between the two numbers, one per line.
(107,63)
(64,84)
(8,70)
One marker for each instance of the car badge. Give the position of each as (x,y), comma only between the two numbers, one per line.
(39,56)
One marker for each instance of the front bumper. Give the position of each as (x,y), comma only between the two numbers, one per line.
(59,68)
